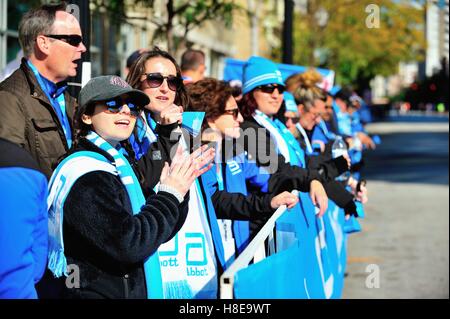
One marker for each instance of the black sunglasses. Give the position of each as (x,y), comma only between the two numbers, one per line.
(234,112)
(72,39)
(269,88)
(155,80)
(294,119)
(116,105)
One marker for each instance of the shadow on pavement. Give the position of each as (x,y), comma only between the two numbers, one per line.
(409,158)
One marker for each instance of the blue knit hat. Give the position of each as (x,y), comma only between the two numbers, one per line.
(289,101)
(260,71)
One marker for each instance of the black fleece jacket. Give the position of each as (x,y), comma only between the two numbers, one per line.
(106,241)
(333,168)
(152,164)
(265,155)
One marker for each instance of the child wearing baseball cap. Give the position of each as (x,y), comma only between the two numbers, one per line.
(100,223)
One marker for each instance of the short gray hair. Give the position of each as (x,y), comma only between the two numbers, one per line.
(36,22)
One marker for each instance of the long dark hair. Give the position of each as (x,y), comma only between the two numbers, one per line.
(248,105)
(80,128)
(137,69)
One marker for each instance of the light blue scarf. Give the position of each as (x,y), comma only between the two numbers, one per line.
(120,167)
(286,143)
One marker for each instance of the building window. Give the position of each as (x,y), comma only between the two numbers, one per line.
(10,14)
(107,50)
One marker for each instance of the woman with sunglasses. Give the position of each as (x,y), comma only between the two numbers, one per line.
(305,107)
(157,74)
(310,102)
(101,226)
(263,98)
(226,182)
(313,111)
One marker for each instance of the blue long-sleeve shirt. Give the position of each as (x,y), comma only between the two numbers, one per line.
(23,223)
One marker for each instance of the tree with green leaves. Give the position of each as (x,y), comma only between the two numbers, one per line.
(359,39)
(184,14)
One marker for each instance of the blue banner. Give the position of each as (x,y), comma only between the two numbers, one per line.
(285,281)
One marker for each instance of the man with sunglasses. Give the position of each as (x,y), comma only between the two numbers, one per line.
(36,109)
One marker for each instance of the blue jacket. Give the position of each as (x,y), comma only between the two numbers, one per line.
(23,223)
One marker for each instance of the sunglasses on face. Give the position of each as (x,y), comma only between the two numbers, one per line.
(294,120)
(72,39)
(269,88)
(155,80)
(234,112)
(116,105)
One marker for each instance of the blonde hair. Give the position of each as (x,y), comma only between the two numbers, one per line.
(305,87)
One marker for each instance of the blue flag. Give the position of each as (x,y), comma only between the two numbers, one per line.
(192,121)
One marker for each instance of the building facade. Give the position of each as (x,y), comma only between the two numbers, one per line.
(253,32)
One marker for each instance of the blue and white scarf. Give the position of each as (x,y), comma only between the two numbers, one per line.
(65,175)
(286,143)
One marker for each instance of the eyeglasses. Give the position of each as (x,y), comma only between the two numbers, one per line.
(294,119)
(155,80)
(234,112)
(269,88)
(116,105)
(72,39)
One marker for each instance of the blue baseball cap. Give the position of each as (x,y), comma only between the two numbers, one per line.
(260,71)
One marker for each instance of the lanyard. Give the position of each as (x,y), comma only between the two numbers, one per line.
(149,126)
(292,141)
(219,171)
(324,128)
(150,120)
(326,131)
(219,177)
(282,147)
(305,138)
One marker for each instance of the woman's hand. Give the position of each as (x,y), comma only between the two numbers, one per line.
(185,169)
(319,197)
(360,194)
(285,198)
(170,115)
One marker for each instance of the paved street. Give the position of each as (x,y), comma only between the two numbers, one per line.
(406,229)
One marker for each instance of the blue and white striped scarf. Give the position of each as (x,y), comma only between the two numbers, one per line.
(66,174)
